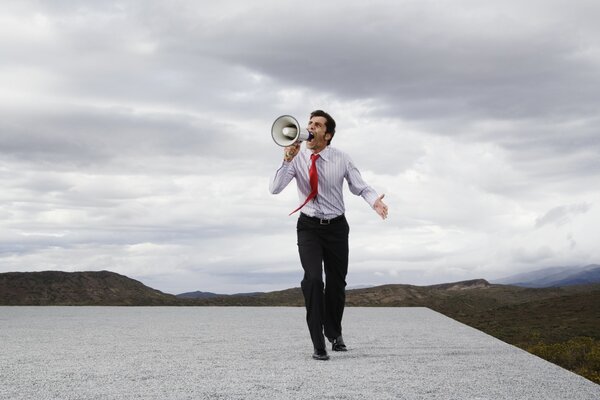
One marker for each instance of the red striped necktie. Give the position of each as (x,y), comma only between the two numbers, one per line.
(313,178)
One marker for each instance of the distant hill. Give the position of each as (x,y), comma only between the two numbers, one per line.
(210,295)
(555,277)
(78,288)
(198,295)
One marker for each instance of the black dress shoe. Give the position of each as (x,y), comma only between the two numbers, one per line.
(320,354)
(338,344)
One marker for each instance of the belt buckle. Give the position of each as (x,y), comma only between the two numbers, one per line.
(324,221)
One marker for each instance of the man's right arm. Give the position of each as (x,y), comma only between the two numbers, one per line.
(282,177)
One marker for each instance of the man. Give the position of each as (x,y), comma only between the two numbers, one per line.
(322,229)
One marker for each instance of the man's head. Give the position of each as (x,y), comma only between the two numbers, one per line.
(322,126)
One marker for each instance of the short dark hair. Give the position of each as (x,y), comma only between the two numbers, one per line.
(329,123)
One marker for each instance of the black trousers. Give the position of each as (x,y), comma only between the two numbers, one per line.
(323,247)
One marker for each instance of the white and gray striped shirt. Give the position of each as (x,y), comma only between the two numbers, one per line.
(333,166)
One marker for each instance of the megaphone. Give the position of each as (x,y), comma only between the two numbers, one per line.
(286,131)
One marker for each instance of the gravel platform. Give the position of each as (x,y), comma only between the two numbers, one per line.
(262,353)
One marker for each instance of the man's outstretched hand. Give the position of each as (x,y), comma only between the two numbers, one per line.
(380,207)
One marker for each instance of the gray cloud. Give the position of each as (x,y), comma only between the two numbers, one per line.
(561,215)
(494,60)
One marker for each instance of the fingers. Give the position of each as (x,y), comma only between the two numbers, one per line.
(382,208)
(384,213)
(290,152)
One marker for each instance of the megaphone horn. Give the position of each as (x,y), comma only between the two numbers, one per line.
(286,131)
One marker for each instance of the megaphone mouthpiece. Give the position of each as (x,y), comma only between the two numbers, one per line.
(290,132)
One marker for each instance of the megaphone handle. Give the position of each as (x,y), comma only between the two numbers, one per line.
(290,152)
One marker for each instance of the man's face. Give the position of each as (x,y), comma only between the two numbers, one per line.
(317,127)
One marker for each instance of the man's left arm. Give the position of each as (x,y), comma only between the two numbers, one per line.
(360,188)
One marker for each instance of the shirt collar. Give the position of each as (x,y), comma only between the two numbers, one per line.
(324,154)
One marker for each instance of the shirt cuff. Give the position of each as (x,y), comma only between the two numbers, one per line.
(370,197)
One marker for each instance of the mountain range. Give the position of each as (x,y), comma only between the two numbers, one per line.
(541,278)
(109,288)
(554,277)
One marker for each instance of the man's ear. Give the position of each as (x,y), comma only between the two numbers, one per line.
(328,137)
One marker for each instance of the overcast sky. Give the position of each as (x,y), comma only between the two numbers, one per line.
(135,136)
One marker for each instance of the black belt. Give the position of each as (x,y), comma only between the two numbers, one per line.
(321,221)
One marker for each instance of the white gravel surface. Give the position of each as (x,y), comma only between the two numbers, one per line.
(262,353)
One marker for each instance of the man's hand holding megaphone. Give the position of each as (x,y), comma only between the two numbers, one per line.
(290,152)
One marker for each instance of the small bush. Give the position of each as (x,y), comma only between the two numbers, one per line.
(580,355)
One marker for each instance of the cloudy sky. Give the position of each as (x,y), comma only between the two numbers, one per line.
(135,136)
